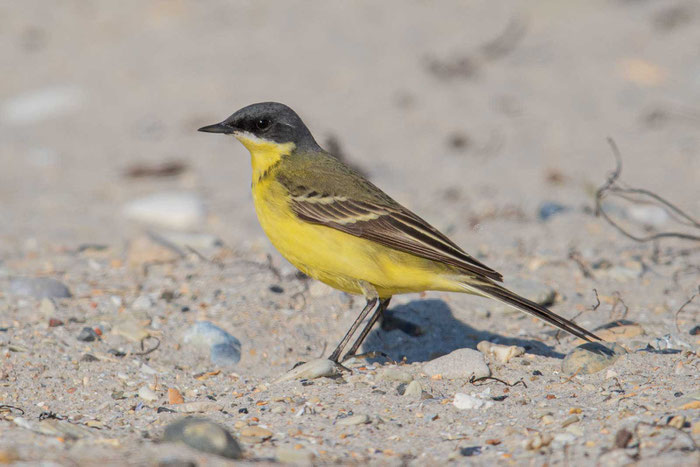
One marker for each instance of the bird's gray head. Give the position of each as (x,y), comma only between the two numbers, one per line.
(266,122)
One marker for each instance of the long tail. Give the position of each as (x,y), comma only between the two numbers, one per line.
(504,295)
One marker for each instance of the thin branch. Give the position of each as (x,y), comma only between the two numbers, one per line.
(611,186)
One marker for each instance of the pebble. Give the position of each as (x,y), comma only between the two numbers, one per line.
(591,357)
(197,407)
(175,397)
(255,434)
(318,368)
(413,389)
(205,436)
(147,394)
(465,401)
(538,441)
(131,329)
(287,455)
(695,331)
(142,302)
(39,287)
(648,215)
(502,353)
(224,349)
(47,307)
(359,419)
(87,335)
(41,104)
(174,210)
(549,209)
(395,374)
(225,355)
(461,363)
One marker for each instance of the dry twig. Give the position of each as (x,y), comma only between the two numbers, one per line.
(611,186)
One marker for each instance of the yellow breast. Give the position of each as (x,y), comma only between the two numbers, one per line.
(341,260)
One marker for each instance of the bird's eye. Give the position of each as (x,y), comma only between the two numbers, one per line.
(263,124)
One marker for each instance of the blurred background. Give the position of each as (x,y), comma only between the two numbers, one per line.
(490,108)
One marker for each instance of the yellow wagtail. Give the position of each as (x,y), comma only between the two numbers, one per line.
(337,227)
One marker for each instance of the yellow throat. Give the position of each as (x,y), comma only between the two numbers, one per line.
(263,153)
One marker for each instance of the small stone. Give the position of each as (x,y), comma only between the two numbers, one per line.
(461,363)
(174,210)
(502,353)
(318,368)
(225,355)
(395,374)
(197,407)
(41,104)
(88,358)
(549,209)
(359,419)
(677,422)
(591,358)
(413,389)
(205,436)
(87,335)
(465,401)
(55,322)
(131,329)
(255,434)
(224,349)
(142,302)
(38,287)
(287,455)
(278,409)
(547,419)
(538,441)
(174,396)
(470,451)
(147,394)
(648,215)
(47,307)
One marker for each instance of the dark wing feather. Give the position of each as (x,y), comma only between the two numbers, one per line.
(388,224)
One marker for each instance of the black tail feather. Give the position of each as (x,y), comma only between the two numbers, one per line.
(521,303)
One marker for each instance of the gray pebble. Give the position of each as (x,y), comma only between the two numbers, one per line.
(462,363)
(87,335)
(591,357)
(203,435)
(224,349)
(413,389)
(550,209)
(39,287)
(225,355)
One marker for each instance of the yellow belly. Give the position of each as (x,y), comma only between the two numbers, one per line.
(341,260)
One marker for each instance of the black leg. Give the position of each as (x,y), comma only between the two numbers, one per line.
(363,314)
(383,304)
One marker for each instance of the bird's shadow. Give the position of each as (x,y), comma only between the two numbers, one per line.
(422,330)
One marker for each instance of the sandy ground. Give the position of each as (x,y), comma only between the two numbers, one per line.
(506,106)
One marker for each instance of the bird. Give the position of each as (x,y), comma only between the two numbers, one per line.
(336,226)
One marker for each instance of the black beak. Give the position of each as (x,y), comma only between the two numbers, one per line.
(217,128)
